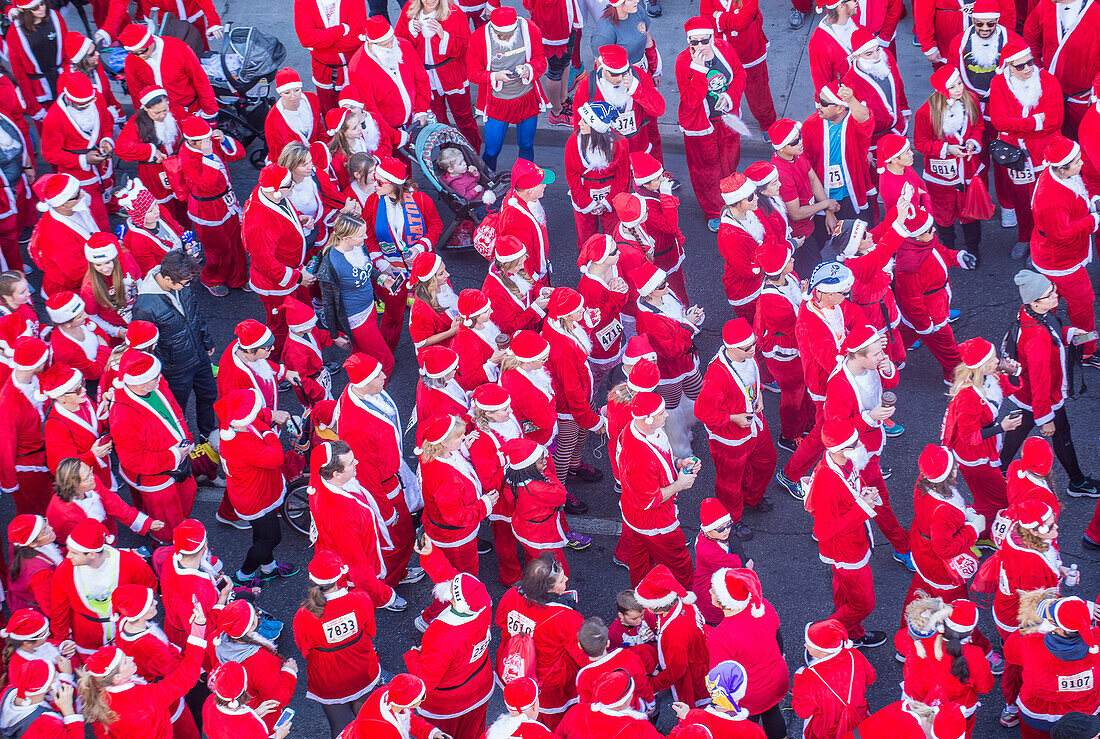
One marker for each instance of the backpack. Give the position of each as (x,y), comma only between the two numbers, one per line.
(485,235)
(517,659)
(1010,348)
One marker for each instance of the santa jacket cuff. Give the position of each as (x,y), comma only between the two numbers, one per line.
(75,718)
(444,41)
(198,641)
(139,524)
(867,507)
(1039,421)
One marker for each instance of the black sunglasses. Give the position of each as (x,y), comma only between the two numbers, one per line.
(985,24)
(1023,65)
(699,41)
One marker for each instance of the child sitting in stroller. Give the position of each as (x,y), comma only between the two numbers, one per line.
(461,176)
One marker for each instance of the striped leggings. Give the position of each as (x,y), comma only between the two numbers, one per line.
(569,446)
(673,392)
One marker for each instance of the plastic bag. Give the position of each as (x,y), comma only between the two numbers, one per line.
(977,205)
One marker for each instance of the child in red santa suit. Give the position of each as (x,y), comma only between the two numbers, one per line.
(714,550)
(110,285)
(438,393)
(594,639)
(227,715)
(681,644)
(660,218)
(302,352)
(829,694)
(1029,477)
(516,302)
(538,521)
(76,340)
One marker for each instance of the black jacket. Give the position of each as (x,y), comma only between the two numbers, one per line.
(184,340)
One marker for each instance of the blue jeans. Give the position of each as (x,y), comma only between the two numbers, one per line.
(494,139)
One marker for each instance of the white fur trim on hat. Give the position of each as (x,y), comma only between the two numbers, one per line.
(380,171)
(658,277)
(102,255)
(148,602)
(71,190)
(74,381)
(726,601)
(333,581)
(806,639)
(536,454)
(152,95)
(658,604)
(741,193)
(257,404)
(947,470)
(844,444)
(832,97)
(147,376)
(1073,154)
(67,312)
(718,523)
(286,86)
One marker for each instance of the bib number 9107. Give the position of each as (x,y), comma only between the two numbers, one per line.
(1079,683)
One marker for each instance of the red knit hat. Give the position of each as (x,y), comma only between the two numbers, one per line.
(735,188)
(596,248)
(77,46)
(783,132)
(860,337)
(287,79)
(935,463)
(630,208)
(58,380)
(237,408)
(135,37)
(490,397)
(101,247)
(527,346)
(520,694)
(862,40)
(945,77)
(737,588)
(195,128)
(76,87)
(838,433)
(964,616)
(137,200)
(471,304)
(55,189)
(976,352)
(648,277)
(322,414)
(761,173)
(645,167)
(1061,151)
(392,170)
(509,248)
(274,177)
(130,601)
(614,59)
(638,348)
(438,361)
(29,353)
(827,636)
(25,528)
(326,568)
(564,301)
(251,334)
(378,29)
(643,377)
(919,223)
(405,691)
(646,406)
(189,537)
(64,306)
(773,256)
(1036,455)
(26,624)
(237,619)
(425,266)
(986,9)
(699,24)
(229,681)
(521,452)
(737,333)
(504,19)
(712,514)
(88,536)
(659,589)
(142,334)
(889,146)
(33,677)
(525,174)
(362,368)
(949,723)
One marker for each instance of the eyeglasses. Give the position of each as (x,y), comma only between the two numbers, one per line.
(985,24)
(80,389)
(824,103)
(699,41)
(662,286)
(1022,65)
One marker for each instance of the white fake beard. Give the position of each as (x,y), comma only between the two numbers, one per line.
(859,457)
(1077,185)
(618,95)
(537,211)
(390,58)
(878,68)
(404,721)
(372,136)
(509,429)
(84,204)
(262,369)
(595,158)
(84,118)
(752,224)
(510,43)
(446,298)
(954,119)
(1027,91)
(167,132)
(92,505)
(985,51)
(52,552)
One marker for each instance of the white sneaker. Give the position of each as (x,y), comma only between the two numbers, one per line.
(412,574)
(397,605)
(238,524)
(420,624)
(1008,218)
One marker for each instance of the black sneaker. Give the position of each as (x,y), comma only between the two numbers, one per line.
(281,570)
(1093,360)
(1086,488)
(653,8)
(742,531)
(334,367)
(787,444)
(586,473)
(1088,543)
(574,506)
(763,506)
(870,639)
(484,546)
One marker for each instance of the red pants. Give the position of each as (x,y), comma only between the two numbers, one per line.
(853,598)
(709,159)
(368,339)
(644,552)
(989,490)
(941,343)
(1072,120)
(328,81)
(507,549)
(34,493)
(171,505)
(402,535)
(394,315)
(226,261)
(796,410)
(1076,290)
(469,725)
(758,94)
(1018,197)
(809,450)
(742,473)
(589,224)
(559,555)
(463,558)
(885,519)
(9,243)
(947,204)
(97,207)
(461,112)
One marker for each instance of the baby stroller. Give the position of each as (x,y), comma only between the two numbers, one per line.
(424,147)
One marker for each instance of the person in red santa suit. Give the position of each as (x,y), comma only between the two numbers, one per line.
(516,303)
(741,25)
(79,121)
(732,409)
(152,440)
(212,204)
(110,285)
(748,635)
(245,364)
(226,714)
(597,168)
(1065,38)
(845,173)
(949,132)
(36,54)
(1029,476)
(342,668)
(976,51)
(83,58)
(439,33)
(23,471)
(908,718)
(936,23)
(454,663)
(830,43)
(970,426)
(34,554)
(302,352)
(540,608)
(875,79)
(711,81)
(84,583)
(438,391)
(522,703)
(149,137)
(76,340)
(714,550)
(476,342)
(740,235)
(527,379)
(393,706)
(834,662)
(182,78)
(522,216)
(660,221)
(295,116)
(537,519)
(773,211)
(894,165)
(151,232)
(603,289)
(1026,111)
(332,33)
(922,285)
(853,395)
(493,417)
(191,573)
(509,91)
(594,638)
(842,506)
(651,534)
(80,495)
(1088,135)
(630,92)
(1065,221)
(73,426)
(636,247)
(561,23)
(38,702)
(392,80)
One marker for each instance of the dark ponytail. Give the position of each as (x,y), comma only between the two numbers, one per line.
(316,601)
(953,646)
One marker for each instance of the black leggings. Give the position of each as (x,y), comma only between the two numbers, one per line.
(556,65)
(339,715)
(775,726)
(1061,441)
(266,535)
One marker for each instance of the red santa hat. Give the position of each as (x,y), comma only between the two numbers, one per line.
(490,397)
(964,616)
(101,247)
(435,430)
(986,9)
(638,348)
(189,537)
(350,96)
(1014,50)
(713,515)
(378,30)
(597,248)
(468,594)
(827,636)
(361,369)
(616,688)
(76,87)
(643,377)
(737,588)
(334,120)
(508,249)
(104,661)
(646,406)
(838,433)
(1061,151)
(129,602)
(736,187)
(920,222)
(862,40)
(783,132)
(438,361)
(1036,456)
(831,93)
(425,266)
(29,353)
(1073,614)
(64,306)
(761,173)
(648,277)
(142,334)
(287,79)
(945,77)
(645,167)
(322,414)
(773,256)
(228,682)
(12,326)
(1035,515)
(522,452)
(698,26)
(471,304)
(949,723)
(237,619)
(300,317)
(327,568)
(135,37)
(889,146)
(976,352)
(88,536)
(935,463)
(405,691)
(527,346)
(251,334)
(194,128)
(737,333)
(630,208)
(823,5)
(55,189)
(526,175)
(520,694)
(33,677)
(392,170)
(659,589)
(614,59)
(504,19)
(26,624)
(274,177)
(58,380)
(860,337)
(24,529)
(564,301)
(77,46)
(237,409)
(151,93)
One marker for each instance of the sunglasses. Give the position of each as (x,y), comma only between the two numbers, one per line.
(1022,65)
(985,24)
(824,103)
(725,527)
(699,41)
(795,141)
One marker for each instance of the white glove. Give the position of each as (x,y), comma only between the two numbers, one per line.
(666,187)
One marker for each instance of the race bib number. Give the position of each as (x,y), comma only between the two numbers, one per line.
(999,529)
(519,624)
(1022,178)
(609,334)
(627,123)
(1078,683)
(600,195)
(947,169)
(834,177)
(230,199)
(964,565)
(164,179)
(339,629)
(480,648)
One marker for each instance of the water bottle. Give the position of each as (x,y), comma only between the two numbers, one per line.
(1073,576)
(313,264)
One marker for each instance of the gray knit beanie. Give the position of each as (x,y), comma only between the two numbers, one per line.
(1032,285)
